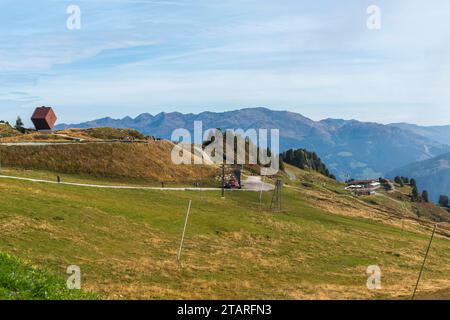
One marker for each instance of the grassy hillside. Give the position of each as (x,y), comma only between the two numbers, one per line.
(103,133)
(20,281)
(389,206)
(7,131)
(130,161)
(319,246)
(9,134)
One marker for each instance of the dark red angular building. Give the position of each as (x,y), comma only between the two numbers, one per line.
(43,118)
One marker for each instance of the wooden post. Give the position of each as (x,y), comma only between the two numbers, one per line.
(184,231)
(423,263)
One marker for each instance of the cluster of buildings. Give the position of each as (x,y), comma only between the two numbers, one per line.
(363,187)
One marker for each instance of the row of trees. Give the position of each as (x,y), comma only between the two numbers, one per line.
(404,180)
(416,196)
(305,159)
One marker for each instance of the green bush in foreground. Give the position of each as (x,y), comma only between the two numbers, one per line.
(21,282)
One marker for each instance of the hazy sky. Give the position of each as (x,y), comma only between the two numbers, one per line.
(317,58)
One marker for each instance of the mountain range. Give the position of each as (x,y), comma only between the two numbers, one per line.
(437,133)
(350,148)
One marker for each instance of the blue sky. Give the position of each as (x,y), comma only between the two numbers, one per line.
(317,58)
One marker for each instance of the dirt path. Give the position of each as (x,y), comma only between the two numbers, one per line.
(253,184)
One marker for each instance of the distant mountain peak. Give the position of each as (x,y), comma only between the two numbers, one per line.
(348,147)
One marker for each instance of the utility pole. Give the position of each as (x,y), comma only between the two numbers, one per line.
(423,264)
